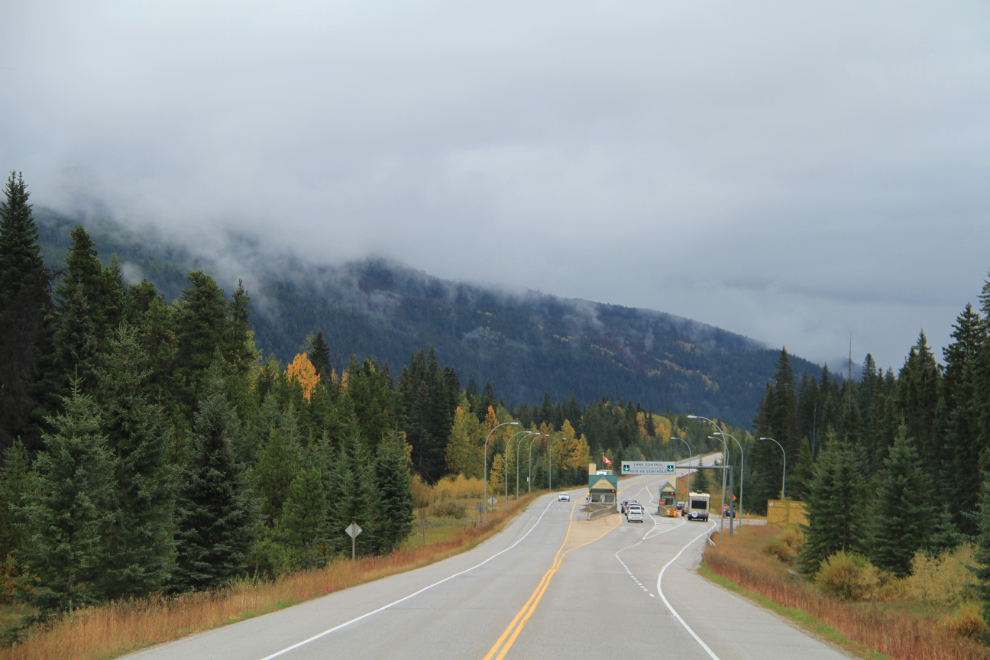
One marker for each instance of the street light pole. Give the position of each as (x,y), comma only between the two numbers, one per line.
(518,447)
(725,459)
(690,454)
(742,474)
(551,460)
(507,469)
(485,472)
(783,485)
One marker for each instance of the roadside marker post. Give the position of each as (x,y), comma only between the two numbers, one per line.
(353,530)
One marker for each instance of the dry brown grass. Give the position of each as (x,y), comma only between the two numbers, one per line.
(111,630)
(904,636)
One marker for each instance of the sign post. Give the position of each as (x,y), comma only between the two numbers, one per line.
(353,530)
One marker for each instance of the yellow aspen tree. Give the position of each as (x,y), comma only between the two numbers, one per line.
(302,371)
(463,451)
(663,427)
(496,475)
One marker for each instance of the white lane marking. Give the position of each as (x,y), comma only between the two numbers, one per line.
(648,535)
(402,600)
(667,603)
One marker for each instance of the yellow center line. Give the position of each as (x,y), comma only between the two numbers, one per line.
(520,620)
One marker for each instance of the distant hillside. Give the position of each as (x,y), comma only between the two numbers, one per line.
(525,344)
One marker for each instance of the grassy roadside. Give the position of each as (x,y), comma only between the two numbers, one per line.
(108,631)
(895,629)
(799,617)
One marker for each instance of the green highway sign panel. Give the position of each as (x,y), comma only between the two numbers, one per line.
(648,467)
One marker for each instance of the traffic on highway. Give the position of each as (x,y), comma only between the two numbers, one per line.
(552,584)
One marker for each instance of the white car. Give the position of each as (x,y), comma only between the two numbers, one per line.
(634,513)
(564,497)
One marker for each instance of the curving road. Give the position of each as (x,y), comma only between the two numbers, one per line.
(552,585)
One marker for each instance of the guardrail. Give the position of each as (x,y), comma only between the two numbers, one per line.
(596,510)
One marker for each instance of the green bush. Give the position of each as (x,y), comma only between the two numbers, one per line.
(848,576)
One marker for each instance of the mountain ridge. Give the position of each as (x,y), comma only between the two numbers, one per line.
(525,343)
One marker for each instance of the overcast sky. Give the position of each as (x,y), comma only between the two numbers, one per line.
(796,172)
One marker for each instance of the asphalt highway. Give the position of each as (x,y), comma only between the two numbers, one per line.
(551,585)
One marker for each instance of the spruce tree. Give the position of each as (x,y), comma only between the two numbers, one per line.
(901,516)
(67,511)
(352,497)
(833,508)
(216,515)
(700,481)
(141,548)
(25,301)
(201,327)
(319,356)
(16,484)
(799,482)
(277,467)
(302,526)
(394,513)
(982,557)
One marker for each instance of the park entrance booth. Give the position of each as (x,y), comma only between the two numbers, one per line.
(668,495)
(602,488)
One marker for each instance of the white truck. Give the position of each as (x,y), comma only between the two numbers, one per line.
(698,506)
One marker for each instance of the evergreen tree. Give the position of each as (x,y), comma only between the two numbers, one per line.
(16,484)
(804,473)
(141,549)
(277,468)
(201,328)
(302,525)
(700,481)
(67,510)
(216,516)
(982,557)
(833,507)
(352,497)
(918,396)
(319,356)
(24,302)
(395,500)
(901,518)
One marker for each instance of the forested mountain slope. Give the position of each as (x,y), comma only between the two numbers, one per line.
(525,344)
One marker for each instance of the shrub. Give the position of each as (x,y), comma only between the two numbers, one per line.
(967,621)
(944,580)
(450,509)
(459,487)
(785,545)
(848,576)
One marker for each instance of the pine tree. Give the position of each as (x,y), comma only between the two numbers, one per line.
(141,548)
(394,512)
(982,557)
(901,519)
(216,516)
(302,525)
(278,466)
(700,481)
(319,355)
(67,511)
(16,484)
(24,302)
(201,327)
(352,497)
(833,507)
(800,480)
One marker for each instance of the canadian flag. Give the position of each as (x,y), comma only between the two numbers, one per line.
(605,458)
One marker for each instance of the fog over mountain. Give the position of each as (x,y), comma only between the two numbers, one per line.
(799,173)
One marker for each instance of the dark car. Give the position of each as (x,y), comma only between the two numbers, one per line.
(681,505)
(622,506)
